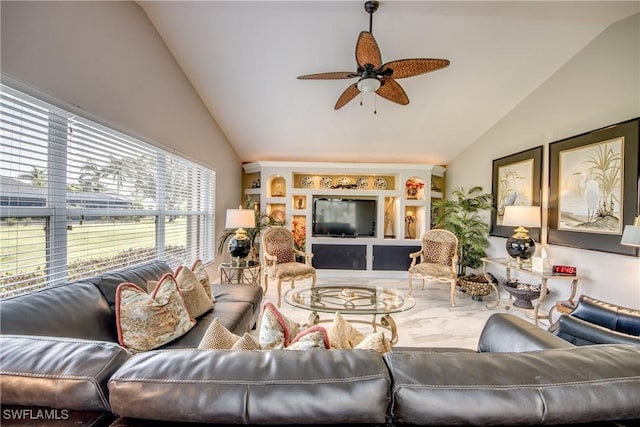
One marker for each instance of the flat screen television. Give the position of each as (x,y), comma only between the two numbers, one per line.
(335,217)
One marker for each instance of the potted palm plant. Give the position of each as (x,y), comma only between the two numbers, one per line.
(462,216)
(263,220)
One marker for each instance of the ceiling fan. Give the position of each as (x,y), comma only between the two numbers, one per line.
(372,74)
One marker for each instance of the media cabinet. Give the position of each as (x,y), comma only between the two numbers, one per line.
(402,192)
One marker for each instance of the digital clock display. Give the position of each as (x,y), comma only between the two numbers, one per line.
(564,269)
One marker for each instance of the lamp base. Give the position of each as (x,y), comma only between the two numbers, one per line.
(521,248)
(239,247)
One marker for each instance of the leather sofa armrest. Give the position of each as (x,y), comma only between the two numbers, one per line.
(508,333)
(550,387)
(610,316)
(57,372)
(581,332)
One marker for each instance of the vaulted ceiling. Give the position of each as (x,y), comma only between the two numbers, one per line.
(243,59)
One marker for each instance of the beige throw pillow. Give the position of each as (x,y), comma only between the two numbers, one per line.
(146,321)
(217,337)
(203,277)
(342,334)
(194,294)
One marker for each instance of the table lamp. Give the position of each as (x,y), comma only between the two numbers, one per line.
(240,244)
(631,234)
(520,246)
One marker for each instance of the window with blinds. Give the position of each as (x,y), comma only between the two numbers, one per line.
(78,199)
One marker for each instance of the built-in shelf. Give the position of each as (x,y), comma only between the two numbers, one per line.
(288,190)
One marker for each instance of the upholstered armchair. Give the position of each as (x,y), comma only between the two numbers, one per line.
(436,260)
(279,259)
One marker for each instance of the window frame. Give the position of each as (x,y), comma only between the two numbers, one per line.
(57,212)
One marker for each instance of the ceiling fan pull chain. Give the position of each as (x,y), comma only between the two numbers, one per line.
(375,103)
(361,99)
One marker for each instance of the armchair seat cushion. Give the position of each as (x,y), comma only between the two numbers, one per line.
(291,270)
(427,269)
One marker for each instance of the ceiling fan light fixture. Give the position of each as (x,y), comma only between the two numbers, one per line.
(368,84)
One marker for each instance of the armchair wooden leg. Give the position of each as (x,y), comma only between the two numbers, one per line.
(279,292)
(453,292)
(410,284)
(266,283)
(313,281)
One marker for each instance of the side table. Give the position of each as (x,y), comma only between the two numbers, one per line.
(244,272)
(510,265)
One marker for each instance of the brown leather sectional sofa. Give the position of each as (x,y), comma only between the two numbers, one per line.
(59,358)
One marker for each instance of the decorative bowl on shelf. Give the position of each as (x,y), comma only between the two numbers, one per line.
(326,182)
(522,293)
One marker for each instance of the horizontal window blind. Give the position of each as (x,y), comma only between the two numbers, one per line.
(79,199)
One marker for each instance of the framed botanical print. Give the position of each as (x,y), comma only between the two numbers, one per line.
(593,188)
(516,181)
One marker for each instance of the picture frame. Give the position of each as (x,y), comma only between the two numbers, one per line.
(593,188)
(516,180)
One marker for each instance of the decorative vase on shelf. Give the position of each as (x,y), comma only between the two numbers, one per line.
(412,193)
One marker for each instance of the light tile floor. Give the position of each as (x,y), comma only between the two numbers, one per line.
(431,323)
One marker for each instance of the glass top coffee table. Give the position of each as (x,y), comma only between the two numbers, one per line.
(352,300)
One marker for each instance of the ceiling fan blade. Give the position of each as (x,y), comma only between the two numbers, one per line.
(329,76)
(367,51)
(412,67)
(347,96)
(392,91)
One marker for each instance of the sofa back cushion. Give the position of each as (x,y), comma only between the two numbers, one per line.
(253,387)
(74,309)
(558,386)
(57,372)
(139,275)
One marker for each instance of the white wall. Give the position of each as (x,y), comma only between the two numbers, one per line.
(107,59)
(598,87)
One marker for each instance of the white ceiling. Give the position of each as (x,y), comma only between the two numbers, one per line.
(243,59)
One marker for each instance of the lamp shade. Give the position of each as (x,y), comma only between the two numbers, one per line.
(631,234)
(240,218)
(522,216)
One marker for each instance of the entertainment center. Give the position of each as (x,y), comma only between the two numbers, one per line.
(352,216)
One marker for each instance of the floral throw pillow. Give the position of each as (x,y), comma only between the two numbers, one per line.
(203,277)
(375,341)
(276,329)
(147,321)
(313,337)
(342,334)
